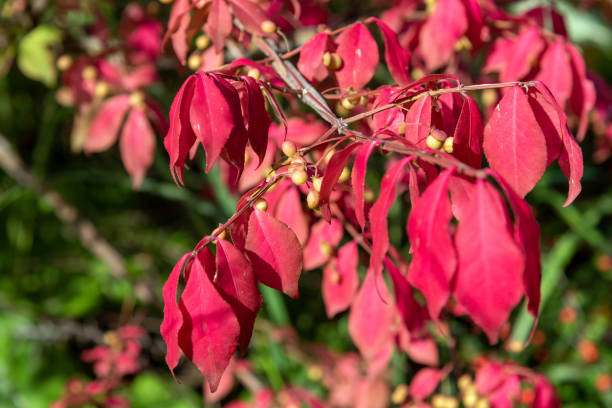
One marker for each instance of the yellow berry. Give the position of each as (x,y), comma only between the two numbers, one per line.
(447,146)
(464,381)
(289,149)
(315,373)
(332,60)
(89,73)
(335,277)
(438,401)
(64,62)
(433,143)
(341,110)
(136,98)
(254,73)
(399,394)
(451,402)
(312,199)
(202,42)
(194,61)
(101,89)
(268,27)
(402,128)
(483,403)
(347,104)
(299,177)
(368,195)
(316,183)
(326,249)
(489,97)
(470,399)
(261,204)
(345,175)
(327,59)
(220,234)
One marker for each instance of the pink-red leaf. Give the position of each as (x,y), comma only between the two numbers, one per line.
(441,32)
(359,54)
(104,129)
(556,71)
(434,260)
(397,58)
(259,121)
(218,24)
(413,314)
(467,143)
(418,121)
(210,330)
(274,252)
(322,234)
(235,281)
(250,15)
(173,319)
(525,49)
(340,281)
(379,211)
(514,143)
(358,179)
(137,146)
(490,269)
(311,57)
(332,174)
(371,317)
(424,383)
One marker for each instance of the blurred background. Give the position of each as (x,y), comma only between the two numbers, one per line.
(83,254)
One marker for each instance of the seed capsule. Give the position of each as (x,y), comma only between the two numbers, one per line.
(326,249)
(348,104)
(64,62)
(483,403)
(399,394)
(136,98)
(268,27)
(254,73)
(312,199)
(345,175)
(89,73)
(299,177)
(332,60)
(447,146)
(202,42)
(464,381)
(101,89)
(261,204)
(194,61)
(289,149)
(316,183)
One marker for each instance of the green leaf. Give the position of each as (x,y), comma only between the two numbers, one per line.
(35,58)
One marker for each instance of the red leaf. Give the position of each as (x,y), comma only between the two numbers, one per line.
(359,54)
(340,281)
(371,317)
(570,160)
(548,120)
(358,179)
(396,57)
(413,314)
(489,376)
(582,98)
(210,330)
(274,252)
(311,57)
(422,351)
(322,233)
(545,395)
(289,210)
(467,143)
(173,319)
(418,121)
(180,137)
(424,383)
(441,32)
(104,129)
(507,393)
(259,121)
(556,71)
(434,260)
(137,146)
(514,143)
(218,24)
(235,281)
(250,15)
(330,178)
(525,49)
(379,211)
(489,276)
(212,116)
(527,234)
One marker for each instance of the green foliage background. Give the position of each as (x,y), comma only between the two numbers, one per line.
(57,300)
